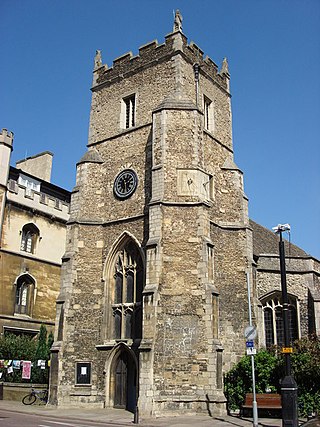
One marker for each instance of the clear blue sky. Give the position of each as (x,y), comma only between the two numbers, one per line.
(273,47)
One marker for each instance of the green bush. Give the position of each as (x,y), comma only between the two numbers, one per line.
(305,363)
(22,347)
(269,370)
(238,381)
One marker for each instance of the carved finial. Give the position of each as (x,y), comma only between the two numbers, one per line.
(97,59)
(225,67)
(177,25)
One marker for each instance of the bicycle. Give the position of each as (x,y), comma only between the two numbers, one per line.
(30,398)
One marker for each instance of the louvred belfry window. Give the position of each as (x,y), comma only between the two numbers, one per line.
(208,114)
(128,111)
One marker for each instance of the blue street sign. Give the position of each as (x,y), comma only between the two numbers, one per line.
(249,344)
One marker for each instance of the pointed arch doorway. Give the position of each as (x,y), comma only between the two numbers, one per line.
(123,384)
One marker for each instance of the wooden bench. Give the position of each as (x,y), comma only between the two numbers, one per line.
(267,403)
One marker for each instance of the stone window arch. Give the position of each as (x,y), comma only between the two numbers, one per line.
(273,318)
(29,238)
(24,294)
(124,282)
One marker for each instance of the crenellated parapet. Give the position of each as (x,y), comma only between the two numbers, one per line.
(207,65)
(129,64)
(6,137)
(50,205)
(152,53)
(6,147)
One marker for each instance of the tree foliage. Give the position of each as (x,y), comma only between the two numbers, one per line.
(22,347)
(306,370)
(238,381)
(269,370)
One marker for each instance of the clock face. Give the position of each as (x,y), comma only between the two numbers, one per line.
(125,184)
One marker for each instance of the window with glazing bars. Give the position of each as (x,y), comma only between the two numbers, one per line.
(24,295)
(273,320)
(127,294)
(29,237)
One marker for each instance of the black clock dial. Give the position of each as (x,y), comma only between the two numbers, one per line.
(125,183)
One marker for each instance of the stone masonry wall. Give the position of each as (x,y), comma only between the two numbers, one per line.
(106,103)
(230,265)
(47,278)
(298,284)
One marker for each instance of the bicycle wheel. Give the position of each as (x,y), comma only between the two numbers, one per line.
(44,397)
(29,399)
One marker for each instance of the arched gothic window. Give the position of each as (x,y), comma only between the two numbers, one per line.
(273,319)
(126,293)
(30,235)
(24,295)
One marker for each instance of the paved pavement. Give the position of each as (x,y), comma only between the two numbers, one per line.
(123,418)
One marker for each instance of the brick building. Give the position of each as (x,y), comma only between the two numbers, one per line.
(153,301)
(33,219)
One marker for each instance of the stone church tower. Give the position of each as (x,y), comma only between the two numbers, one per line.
(153,300)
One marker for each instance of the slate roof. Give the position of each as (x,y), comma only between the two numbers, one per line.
(267,242)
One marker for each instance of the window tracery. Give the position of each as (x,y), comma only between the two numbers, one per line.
(273,319)
(127,293)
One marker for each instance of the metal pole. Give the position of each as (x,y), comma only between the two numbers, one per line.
(255,421)
(136,415)
(285,305)
(289,389)
(196,77)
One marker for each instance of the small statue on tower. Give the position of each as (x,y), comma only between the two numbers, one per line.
(177,26)
(97,59)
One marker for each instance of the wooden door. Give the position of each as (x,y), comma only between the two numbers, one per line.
(121,374)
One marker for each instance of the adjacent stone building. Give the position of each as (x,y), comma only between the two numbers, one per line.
(302,276)
(153,301)
(33,218)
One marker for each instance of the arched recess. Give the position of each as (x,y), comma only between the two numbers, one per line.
(121,378)
(25,294)
(124,276)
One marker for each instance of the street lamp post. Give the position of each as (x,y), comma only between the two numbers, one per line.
(289,390)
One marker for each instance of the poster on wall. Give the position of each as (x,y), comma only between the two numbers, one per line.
(26,370)
(16,364)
